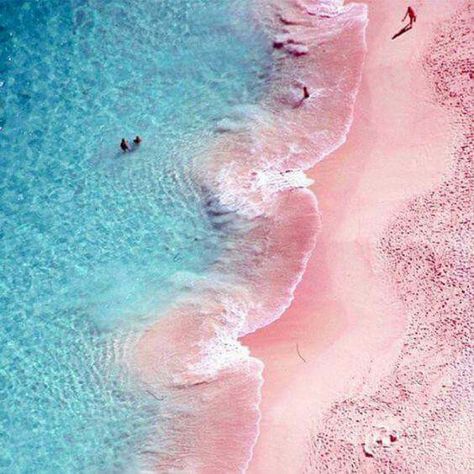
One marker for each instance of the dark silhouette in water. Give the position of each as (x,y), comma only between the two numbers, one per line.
(306,95)
(124,145)
(412,16)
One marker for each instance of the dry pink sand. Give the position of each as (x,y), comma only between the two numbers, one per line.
(346,331)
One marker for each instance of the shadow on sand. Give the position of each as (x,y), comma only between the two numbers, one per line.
(403,30)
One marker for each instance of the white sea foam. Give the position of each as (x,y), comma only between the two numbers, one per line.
(256,194)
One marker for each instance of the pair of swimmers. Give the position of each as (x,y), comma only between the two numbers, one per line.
(124,146)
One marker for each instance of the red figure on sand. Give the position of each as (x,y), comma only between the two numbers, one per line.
(411,15)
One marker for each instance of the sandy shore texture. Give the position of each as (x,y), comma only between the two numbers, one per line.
(369,369)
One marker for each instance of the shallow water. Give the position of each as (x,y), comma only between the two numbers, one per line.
(93,240)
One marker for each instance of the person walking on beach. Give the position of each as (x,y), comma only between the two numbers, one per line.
(411,15)
(124,145)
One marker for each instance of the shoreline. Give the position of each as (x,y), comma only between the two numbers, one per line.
(252,182)
(347,326)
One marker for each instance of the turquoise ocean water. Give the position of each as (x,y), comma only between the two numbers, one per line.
(92,240)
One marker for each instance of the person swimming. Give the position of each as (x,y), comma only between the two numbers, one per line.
(124,145)
(137,140)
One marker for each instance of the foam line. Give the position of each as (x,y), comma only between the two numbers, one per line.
(253,182)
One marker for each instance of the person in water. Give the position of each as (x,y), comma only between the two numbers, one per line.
(137,140)
(124,145)
(306,95)
(411,15)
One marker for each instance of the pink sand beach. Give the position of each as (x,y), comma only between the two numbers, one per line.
(344,379)
(339,349)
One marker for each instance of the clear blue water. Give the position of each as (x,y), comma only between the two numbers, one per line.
(92,240)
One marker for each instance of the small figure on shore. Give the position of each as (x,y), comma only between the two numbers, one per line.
(137,140)
(411,15)
(306,95)
(124,145)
